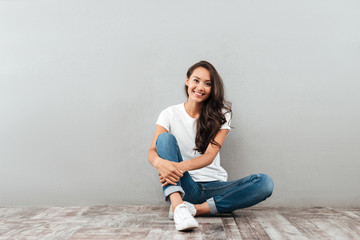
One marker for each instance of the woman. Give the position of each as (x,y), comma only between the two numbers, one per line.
(185,152)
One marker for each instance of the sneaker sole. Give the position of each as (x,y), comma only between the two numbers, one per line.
(186,227)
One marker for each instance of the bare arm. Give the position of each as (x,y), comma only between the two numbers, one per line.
(208,157)
(153,157)
(168,170)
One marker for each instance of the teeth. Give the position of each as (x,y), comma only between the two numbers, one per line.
(199,94)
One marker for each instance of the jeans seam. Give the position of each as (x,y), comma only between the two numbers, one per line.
(218,188)
(236,189)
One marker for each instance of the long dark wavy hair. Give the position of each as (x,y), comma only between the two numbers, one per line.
(212,115)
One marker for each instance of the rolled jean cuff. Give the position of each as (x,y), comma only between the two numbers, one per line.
(212,206)
(172,189)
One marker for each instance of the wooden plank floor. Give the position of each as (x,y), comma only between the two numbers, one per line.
(151,222)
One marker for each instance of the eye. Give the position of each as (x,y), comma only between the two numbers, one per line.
(195,80)
(208,84)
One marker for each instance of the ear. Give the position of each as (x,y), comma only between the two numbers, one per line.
(187,81)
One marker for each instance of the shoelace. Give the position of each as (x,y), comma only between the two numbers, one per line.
(183,212)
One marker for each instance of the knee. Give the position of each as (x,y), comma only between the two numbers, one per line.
(165,138)
(267,185)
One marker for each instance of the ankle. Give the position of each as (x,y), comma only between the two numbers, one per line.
(174,205)
(202,208)
(175,199)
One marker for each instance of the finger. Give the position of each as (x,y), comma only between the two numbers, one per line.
(171,176)
(175,175)
(178,173)
(173,179)
(169,181)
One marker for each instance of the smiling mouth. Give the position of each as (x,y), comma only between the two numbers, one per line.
(199,94)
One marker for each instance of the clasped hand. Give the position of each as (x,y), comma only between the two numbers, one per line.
(169,172)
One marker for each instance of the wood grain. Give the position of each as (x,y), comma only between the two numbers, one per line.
(151,222)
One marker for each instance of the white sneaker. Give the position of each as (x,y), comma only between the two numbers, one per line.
(183,219)
(190,207)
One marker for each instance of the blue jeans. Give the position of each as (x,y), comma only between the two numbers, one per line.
(221,196)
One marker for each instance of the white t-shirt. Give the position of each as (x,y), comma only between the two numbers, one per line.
(177,121)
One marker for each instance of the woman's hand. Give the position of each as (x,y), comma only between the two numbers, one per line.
(169,172)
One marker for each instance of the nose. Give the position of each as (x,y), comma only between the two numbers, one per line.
(200,86)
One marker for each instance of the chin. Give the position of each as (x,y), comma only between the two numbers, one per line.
(200,100)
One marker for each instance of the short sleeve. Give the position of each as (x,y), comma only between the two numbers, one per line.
(164,119)
(228,122)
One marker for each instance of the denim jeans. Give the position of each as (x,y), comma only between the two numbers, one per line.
(221,196)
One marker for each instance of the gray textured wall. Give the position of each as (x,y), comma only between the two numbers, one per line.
(82,84)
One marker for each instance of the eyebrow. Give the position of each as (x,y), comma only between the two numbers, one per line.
(200,78)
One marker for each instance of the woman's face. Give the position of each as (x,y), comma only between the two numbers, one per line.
(199,85)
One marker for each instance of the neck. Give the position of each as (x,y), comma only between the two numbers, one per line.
(193,109)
